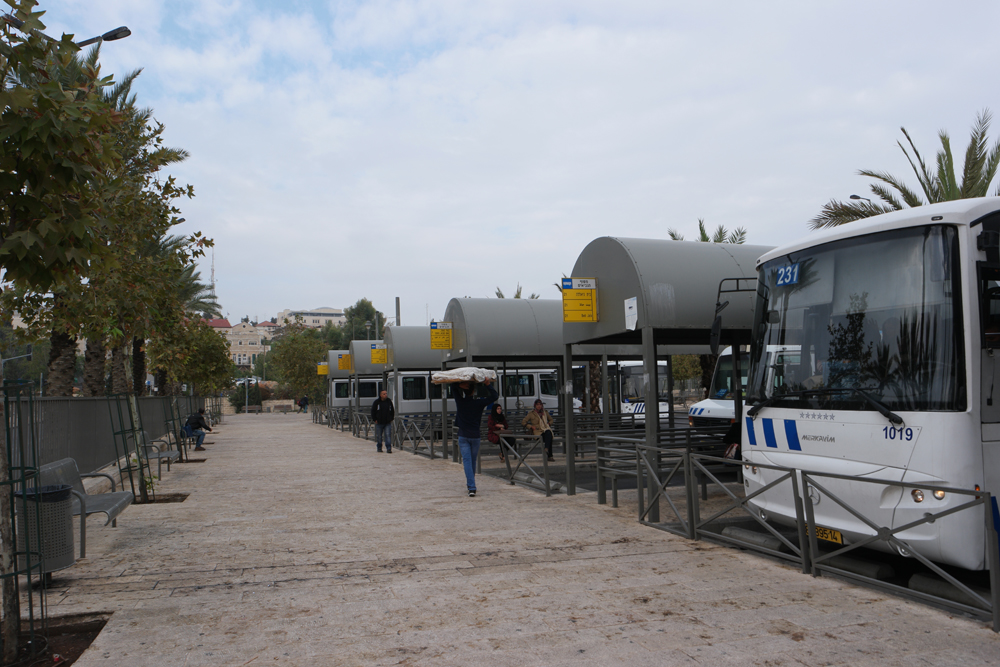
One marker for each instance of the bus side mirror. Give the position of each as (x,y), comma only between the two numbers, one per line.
(713,338)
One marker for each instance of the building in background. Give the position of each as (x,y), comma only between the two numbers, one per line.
(314,319)
(246,340)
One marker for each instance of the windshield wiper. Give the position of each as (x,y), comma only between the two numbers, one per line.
(879,406)
(882,408)
(757,407)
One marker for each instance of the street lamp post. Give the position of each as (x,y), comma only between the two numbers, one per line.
(120,32)
(368,329)
(856,197)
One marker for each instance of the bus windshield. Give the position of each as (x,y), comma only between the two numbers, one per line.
(880,313)
(722,380)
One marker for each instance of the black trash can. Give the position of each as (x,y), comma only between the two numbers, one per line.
(53,505)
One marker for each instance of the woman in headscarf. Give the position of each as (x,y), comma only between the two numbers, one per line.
(495,425)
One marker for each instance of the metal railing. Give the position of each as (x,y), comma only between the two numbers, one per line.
(668,477)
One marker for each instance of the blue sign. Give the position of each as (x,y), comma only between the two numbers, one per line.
(567,283)
(787,275)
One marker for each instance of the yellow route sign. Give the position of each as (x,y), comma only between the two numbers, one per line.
(322,369)
(441,335)
(380,353)
(344,362)
(579,297)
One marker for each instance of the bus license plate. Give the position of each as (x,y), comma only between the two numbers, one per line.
(829,535)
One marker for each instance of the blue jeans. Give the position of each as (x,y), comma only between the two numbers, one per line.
(198,433)
(469,448)
(386,431)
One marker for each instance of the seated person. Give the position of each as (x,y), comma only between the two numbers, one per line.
(196,427)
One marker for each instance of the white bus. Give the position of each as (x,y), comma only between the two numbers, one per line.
(896,318)
(416,394)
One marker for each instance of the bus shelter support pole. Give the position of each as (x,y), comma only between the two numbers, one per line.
(357,406)
(444,415)
(568,412)
(652,405)
(605,400)
(736,386)
(670,390)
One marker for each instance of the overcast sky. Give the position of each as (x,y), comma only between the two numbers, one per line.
(431,150)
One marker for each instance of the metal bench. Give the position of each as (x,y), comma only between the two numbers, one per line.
(110,504)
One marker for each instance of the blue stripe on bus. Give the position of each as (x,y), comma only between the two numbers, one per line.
(769,433)
(792,435)
(751,436)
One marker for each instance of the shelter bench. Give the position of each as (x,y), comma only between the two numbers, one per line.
(251,408)
(110,504)
(281,408)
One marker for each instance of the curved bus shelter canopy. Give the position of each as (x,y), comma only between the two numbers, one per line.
(409,349)
(335,360)
(365,355)
(674,284)
(526,331)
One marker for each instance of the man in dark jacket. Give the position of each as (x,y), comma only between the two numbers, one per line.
(468,414)
(196,427)
(382,414)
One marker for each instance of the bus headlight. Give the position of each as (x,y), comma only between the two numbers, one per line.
(939,494)
(918,495)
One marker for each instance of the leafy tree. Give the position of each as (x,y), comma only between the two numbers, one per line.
(131,292)
(721,234)
(193,354)
(356,316)
(295,356)
(56,150)
(332,336)
(686,367)
(56,153)
(245,391)
(979,171)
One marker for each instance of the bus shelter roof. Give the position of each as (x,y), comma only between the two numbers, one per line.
(361,356)
(409,349)
(333,371)
(523,331)
(675,285)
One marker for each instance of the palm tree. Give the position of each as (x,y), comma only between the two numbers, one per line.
(721,234)
(517,293)
(980,168)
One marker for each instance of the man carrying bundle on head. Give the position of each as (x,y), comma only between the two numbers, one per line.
(469,412)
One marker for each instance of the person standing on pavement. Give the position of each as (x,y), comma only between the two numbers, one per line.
(468,414)
(382,415)
(196,427)
(539,422)
(304,404)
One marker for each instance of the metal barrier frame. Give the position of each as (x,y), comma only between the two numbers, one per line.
(649,464)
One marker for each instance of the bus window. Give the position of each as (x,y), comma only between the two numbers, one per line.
(436,391)
(414,389)
(519,385)
(368,390)
(549,384)
(341,390)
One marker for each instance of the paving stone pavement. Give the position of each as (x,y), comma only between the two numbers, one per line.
(299,545)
